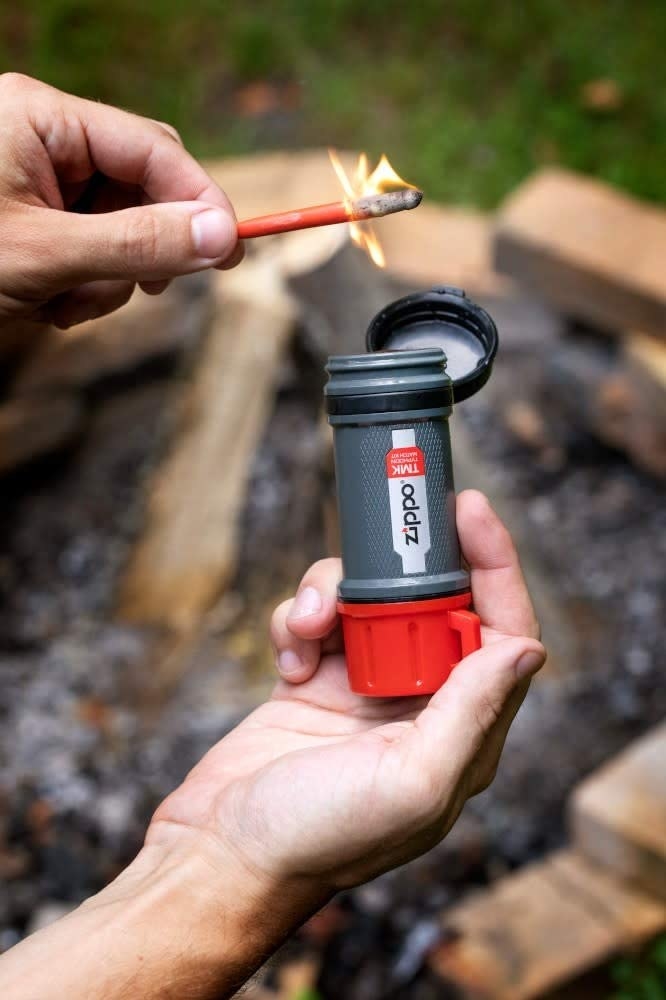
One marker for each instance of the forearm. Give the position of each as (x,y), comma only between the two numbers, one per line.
(175,924)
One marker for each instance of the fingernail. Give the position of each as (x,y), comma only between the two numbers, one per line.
(529,663)
(307,602)
(289,663)
(212,233)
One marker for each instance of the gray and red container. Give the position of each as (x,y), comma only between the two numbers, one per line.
(405,599)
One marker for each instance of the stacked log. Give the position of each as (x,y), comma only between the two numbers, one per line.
(547,928)
(596,255)
(46,398)
(189,545)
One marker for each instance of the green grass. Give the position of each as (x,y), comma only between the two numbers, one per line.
(644,977)
(466,97)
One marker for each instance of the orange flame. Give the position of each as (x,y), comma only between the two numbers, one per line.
(382,178)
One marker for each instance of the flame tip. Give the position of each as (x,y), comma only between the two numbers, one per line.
(378,181)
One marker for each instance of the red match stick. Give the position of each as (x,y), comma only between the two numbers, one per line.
(372,206)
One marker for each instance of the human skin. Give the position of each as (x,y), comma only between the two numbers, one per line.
(151,212)
(315,791)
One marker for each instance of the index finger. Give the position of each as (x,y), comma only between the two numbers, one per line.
(82,136)
(500,595)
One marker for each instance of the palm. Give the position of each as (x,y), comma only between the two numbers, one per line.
(329,781)
(320,757)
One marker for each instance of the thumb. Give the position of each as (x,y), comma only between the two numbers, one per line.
(149,243)
(477,702)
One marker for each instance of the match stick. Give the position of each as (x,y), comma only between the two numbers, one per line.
(372,206)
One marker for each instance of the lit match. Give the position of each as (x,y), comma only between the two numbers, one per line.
(368,195)
(372,206)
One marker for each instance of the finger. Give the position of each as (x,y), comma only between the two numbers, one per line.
(46,251)
(296,659)
(500,595)
(313,612)
(98,298)
(169,129)
(329,688)
(154,287)
(81,136)
(72,193)
(485,765)
(459,718)
(235,258)
(99,194)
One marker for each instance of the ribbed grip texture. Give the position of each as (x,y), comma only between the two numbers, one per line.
(363,495)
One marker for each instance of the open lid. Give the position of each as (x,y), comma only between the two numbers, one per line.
(441,317)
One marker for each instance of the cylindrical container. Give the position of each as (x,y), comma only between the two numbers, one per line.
(404,594)
(404,598)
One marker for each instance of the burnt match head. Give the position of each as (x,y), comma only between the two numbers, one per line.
(373,206)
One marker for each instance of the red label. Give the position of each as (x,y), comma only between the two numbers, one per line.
(403,463)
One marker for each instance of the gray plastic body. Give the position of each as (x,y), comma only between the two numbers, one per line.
(394,476)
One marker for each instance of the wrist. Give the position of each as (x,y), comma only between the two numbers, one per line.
(187,885)
(187,917)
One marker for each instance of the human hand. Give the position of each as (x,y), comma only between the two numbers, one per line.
(328,789)
(315,791)
(92,200)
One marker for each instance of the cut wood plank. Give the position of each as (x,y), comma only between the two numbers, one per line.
(190,543)
(618,814)
(593,252)
(616,397)
(35,426)
(147,327)
(338,300)
(442,245)
(543,927)
(594,388)
(648,354)
(643,430)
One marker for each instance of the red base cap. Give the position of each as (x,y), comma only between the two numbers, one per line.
(407,647)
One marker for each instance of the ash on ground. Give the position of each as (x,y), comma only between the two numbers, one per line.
(91,738)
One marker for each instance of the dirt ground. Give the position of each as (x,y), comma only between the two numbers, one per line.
(100,719)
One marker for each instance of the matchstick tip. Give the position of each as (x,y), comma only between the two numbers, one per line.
(376,205)
(413,198)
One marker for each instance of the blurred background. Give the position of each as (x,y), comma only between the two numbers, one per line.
(471,99)
(133,631)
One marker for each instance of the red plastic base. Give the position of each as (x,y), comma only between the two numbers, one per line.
(407,647)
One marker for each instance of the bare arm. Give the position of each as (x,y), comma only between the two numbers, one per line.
(178,923)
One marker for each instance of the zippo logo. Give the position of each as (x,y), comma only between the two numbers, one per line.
(405,471)
(410,514)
